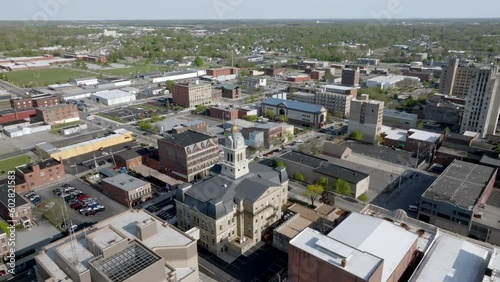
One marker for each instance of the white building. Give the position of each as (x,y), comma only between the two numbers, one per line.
(179,75)
(366,117)
(113,97)
(386,82)
(89,81)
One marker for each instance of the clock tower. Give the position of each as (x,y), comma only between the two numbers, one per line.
(235,163)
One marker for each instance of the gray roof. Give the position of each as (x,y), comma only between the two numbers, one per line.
(43,165)
(336,171)
(294,105)
(461,184)
(489,161)
(215,196)
(125,182)
(304,159)
(187,138)
(4,190)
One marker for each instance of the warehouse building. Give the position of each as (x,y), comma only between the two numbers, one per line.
(127,190)
(58,114)
(113,97)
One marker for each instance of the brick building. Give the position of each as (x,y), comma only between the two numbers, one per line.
(131,158)
(230,91)
(298,78)
(274,71)
(21,103)
(45,101)
(11,115)
(317,74)
(126,189)
(57,114)
(34,175)
(350,77)
(224,113)
(192,94)
(222,71)
(196,125)
(188,156)
(22,210)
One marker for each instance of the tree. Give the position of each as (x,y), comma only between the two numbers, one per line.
(447,131)
(198,61)
(342,187)
(379,139)
(313,147)
(363,198)
(283,118)
(299,177)
(170,86)
(420,124)
(356,135)
(497,149)
(279,164)
(270,114)
(251,118)
(313,192)
(289,136)
(5,228)
(322,181)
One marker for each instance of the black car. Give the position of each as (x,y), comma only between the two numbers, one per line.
(57,192)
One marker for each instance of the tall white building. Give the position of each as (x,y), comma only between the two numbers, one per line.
(366,117)
(483,102)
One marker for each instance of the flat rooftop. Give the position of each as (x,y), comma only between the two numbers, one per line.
(398,114)
(453,259)
(294,105)
(187,138)
(491,211)
(336,171)
(339,87)
(361,264)
(125,182)
(377,237)
(77,253)
(303,159)
(112,94)
(425,136)
(461,184)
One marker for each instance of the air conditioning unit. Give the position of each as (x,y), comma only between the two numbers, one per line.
(478,215)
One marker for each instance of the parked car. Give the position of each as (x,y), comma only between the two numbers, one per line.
(83,197)
(57,192)
(72,228)
(99,209)
(90,213)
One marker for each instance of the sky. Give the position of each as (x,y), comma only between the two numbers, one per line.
(244,9)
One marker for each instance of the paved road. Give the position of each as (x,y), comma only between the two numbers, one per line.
(12,88)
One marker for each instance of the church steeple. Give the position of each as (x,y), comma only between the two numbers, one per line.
(235,163)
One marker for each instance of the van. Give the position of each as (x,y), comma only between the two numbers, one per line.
(413,208)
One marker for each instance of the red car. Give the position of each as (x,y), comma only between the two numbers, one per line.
(77,205)
(83,197)
(90,213)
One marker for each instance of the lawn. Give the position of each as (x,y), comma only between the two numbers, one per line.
(133,70)
(5,105)
(119,120)
(148,106)
(12,163)
(38,78)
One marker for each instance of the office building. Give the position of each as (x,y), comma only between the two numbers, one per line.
(457,196)
(45,101)
(88,81)
(21,103)
(399,119)
(390,81)
(236,205)
(298,113)
(131,158)
(360,248)
(224,113)
(127,190)
(17,213)
(31,176)
(274,71)
(482,105)
(192,94)
(188,156)
(131,246)
(350,77)
(222,71)
(230,91)
(58,114)
(366,117)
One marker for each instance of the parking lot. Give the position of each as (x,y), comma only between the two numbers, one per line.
(133,113)
(408,193)
(258,264)
(112,207)
(387,154)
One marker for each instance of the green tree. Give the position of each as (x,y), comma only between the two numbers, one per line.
(379,139)
(279,164)
(342,187)
(313,147)
(251,118)
(270,114)
(322,181)
(299,177)
(447,131)
(170,86)
(313,192)
(497,149)
(356,135)
(420,124)
(4,226)
(363,198)
(198,61)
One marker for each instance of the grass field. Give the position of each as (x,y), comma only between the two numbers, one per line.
(133,70)
(11,163)
(5,105)
(38,78)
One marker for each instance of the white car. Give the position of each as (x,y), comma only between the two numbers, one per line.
(299,141)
